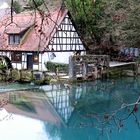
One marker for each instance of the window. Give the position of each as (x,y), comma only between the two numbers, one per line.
(14,39)
(16,56)
(36,58)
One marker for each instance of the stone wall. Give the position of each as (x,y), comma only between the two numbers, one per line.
(15,75)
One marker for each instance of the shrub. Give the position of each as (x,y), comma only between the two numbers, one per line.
(53,67)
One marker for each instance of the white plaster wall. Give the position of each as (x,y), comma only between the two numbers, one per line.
(66,43)
(24,59)
(66,37)
(61,57)
(17,65)
(35,67)
(6,54)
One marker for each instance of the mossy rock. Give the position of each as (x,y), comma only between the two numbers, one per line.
(26,75)
(8,75)
(47,78)
(53,81)
(115,73)
(15,75)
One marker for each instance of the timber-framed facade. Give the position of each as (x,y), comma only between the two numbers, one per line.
(30,47)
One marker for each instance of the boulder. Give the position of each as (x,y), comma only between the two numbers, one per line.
(15,74)
(26,75)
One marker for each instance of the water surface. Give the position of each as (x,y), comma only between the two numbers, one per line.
(87,111)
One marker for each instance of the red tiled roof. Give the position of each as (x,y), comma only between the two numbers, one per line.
(37,37)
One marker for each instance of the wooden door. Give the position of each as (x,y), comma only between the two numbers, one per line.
(29,61)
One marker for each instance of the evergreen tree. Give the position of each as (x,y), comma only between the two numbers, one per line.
(35,3)
(17,7)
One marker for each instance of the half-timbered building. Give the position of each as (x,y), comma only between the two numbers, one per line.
(30,39)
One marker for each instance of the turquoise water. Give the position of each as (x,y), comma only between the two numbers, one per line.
(5,87)
(88,111)
(93,101)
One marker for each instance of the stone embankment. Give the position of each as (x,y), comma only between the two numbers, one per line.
(15,75)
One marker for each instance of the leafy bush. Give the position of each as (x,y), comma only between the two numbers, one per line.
(53,67)
(35,3)
(17,6)
(2,66)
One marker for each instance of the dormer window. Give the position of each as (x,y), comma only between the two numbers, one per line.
(14,39)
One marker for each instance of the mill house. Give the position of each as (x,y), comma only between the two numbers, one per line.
(30,39)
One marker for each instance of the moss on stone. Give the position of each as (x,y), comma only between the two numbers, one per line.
(15,75)
(26,75)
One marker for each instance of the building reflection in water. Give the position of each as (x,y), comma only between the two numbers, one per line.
(63,98)
(57,103)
